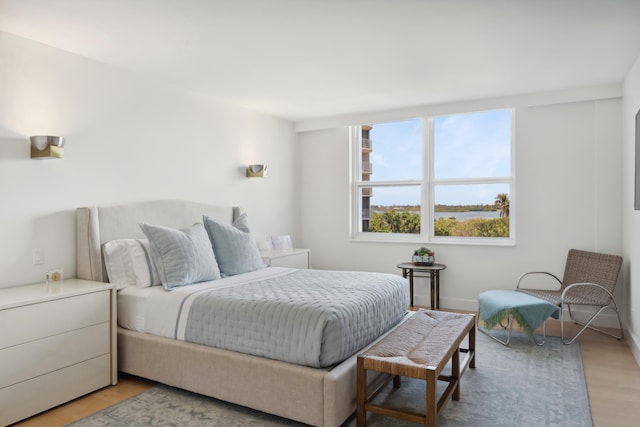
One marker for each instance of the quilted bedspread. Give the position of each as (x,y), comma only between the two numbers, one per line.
(308,317)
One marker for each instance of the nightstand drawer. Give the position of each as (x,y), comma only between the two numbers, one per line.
(34,321)
(57,343)
(29,360)
(300,260)
(46,391)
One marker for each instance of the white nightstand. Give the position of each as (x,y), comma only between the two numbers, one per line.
(291,258)
(56,343)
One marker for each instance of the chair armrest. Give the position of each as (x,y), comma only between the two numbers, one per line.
(537,272)
(573,285)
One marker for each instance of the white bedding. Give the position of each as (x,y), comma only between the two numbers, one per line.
(155,311)
(132,305)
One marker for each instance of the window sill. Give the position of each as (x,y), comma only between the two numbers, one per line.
(462,241)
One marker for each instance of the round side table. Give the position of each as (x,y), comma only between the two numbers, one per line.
(409,269)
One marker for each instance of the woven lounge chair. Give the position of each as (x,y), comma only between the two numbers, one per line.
(589,279)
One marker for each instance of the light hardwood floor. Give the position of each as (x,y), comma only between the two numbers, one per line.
(612,375)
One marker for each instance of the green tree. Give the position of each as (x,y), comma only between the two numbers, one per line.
(445,226)
(474,227)
(479,227)
(405,222)
(394,222)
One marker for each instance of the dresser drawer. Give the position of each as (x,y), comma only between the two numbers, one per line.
(34,321)
(46,391)
(26,361)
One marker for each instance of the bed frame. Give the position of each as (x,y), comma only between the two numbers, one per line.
(320,397)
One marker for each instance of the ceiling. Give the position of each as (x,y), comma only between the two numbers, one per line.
(310,59)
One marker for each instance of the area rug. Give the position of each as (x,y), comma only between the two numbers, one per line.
(519,385)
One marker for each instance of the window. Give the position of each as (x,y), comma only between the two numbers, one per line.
(441,179)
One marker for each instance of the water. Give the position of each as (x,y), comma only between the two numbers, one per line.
(461,216)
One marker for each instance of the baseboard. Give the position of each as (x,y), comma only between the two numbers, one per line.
(422,300)
(633,343)
(459,304)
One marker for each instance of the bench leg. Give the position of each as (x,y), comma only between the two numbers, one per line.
(431,415)
(455,374)
(472,347)
(361,394)
(397,382)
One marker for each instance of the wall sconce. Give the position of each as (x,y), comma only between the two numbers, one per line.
(47,147)
(256,171)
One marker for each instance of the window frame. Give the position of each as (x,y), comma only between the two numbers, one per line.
(427,185)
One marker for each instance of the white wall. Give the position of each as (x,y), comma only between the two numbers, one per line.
(568,195)
(128,139)
(631,217)
(132,139)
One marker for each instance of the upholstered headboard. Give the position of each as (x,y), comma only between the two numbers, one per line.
(98,225)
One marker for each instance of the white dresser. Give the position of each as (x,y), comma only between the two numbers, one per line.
(291,258)
(57,343)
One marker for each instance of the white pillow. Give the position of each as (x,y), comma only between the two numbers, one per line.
(128,263)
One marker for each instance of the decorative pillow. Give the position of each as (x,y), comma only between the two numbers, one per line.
(128,263)
(235,248)
(181,257)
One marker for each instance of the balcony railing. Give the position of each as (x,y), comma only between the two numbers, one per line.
(366,145)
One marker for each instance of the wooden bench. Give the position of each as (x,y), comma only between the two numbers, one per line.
(419,348)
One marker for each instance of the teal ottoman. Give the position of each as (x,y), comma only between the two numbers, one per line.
(499,306)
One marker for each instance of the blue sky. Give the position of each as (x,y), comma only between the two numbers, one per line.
(465,145)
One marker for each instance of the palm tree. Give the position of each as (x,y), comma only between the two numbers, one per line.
(502,204)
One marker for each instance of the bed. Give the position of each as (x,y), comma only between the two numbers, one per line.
(319,389)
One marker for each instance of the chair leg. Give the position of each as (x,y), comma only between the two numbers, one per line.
(587,325)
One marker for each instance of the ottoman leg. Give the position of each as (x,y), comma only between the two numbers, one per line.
(544,335)
(509,327)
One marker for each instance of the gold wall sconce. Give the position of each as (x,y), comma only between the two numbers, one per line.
(47,147)
(256,171)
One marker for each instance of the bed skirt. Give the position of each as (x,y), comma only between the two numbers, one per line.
(319,397)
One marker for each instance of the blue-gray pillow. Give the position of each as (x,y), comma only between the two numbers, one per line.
(235,248)
(181,257)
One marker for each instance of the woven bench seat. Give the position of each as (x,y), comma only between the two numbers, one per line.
(419,348)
